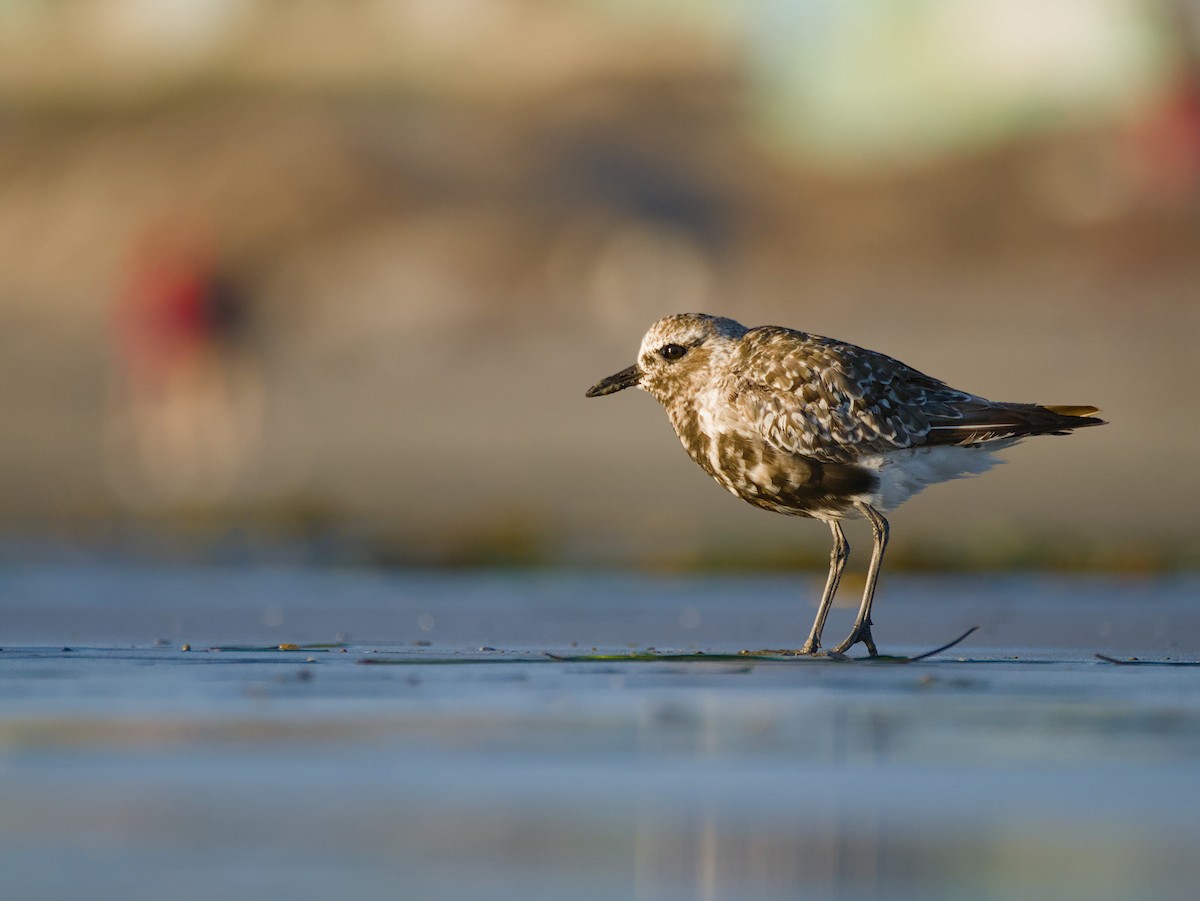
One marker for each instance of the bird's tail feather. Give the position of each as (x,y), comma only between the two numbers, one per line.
(1081,412)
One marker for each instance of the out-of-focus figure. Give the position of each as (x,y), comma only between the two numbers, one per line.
(185,413)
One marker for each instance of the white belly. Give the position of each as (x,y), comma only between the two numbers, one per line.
(904,473)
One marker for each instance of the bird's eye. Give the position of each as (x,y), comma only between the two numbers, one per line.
(672,351)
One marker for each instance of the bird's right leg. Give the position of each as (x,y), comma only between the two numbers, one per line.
(862,623)
(837,563)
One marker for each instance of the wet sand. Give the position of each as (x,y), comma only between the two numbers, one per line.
(1016,765)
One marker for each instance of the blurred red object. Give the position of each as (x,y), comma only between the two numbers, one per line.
(161,321)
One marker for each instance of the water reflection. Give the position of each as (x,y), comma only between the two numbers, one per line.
(1008,774)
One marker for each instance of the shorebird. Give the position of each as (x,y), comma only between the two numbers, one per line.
(811,426)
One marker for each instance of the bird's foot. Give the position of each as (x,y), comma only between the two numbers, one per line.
(812,646)
(861,632)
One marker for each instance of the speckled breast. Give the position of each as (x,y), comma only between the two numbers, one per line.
(761,474)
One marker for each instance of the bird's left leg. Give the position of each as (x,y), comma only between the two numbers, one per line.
(837,563)
(862,623)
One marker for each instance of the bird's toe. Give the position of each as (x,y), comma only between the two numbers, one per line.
(861,633)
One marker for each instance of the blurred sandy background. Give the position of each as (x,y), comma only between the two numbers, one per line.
(329,280)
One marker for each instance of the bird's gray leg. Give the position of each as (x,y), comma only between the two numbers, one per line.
(837,562)
(862,623)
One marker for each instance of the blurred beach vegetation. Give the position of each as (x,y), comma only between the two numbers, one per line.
(330,279)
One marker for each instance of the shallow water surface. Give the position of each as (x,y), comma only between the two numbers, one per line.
(471,763)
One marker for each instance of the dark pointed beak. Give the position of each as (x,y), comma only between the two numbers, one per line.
(626,378)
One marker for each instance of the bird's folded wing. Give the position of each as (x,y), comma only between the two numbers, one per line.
(833,401)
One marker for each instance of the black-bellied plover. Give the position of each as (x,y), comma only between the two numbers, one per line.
(810,426)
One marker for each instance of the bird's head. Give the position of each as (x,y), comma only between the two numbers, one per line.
(677,356)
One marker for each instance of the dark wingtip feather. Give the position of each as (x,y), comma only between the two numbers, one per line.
(996,422)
